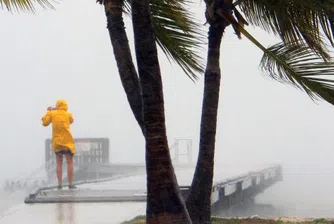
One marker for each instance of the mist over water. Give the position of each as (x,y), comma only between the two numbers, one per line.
(306,191)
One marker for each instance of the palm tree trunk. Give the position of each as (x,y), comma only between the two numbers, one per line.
(164,202)
(198,201)
(126,68)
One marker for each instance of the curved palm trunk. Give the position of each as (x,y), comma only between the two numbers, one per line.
(126,69)
(198,201)
(164,203)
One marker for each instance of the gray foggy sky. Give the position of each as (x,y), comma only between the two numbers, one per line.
(67,54)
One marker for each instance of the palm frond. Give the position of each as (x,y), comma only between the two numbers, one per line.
(302,68)
(295,64)
(293,20)
(25,5)
(178,34)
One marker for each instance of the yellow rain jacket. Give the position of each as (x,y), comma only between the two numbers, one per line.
(61,119)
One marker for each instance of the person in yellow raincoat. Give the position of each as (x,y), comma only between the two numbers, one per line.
(62,139)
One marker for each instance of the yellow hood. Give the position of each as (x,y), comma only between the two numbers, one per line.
(61,105)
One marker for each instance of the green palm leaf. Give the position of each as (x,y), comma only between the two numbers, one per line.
(295,64)
(24,5)
(302,68)
(178,34)
(293,20)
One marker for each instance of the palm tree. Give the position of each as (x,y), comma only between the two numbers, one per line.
(24,5)
(126,68)
(164,202)
(176,33)
(198,201)
(301,59)
(168,24)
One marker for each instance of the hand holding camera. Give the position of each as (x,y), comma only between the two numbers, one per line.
(50,108)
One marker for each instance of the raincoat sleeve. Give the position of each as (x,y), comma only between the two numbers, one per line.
(47,118)
(71,119)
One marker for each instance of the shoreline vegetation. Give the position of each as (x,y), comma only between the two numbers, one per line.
(217,220)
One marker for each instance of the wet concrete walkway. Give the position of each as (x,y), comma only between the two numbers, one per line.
(87,195)
(73,213)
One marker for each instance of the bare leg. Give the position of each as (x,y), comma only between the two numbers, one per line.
(59,159)
(69,159)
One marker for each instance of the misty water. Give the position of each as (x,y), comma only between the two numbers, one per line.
(306,191)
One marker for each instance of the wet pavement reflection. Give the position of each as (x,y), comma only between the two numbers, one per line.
(73,213)
(65,213)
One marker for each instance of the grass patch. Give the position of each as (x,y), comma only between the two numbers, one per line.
(136,220)
(216,220)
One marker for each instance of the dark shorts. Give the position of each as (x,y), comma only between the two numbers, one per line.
(64,152)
